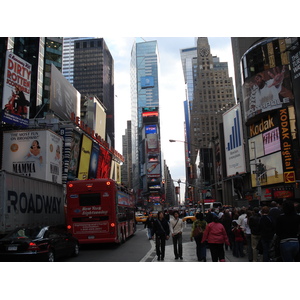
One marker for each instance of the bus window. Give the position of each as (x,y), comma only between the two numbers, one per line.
(89,199)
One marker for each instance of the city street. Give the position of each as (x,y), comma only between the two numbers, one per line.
(139,249)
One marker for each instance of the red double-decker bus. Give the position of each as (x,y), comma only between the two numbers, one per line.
(99,211)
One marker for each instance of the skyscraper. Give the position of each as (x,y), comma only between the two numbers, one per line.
(213,95)
(146,156)
(94,76)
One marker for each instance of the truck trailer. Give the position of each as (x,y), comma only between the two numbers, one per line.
(26,201)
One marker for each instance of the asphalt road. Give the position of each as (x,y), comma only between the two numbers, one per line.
(133,250)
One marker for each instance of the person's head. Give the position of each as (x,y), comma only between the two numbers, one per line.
(160,215)
(216,219)
(199,216)
(288,207)
(259,81)
(273,204)
(265,210)
(176,214)
(234,223)
(256,210)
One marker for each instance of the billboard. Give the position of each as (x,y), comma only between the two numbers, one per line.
(267,90)
(269,170)
(74,156)
(34,153)
(147,82)
(64,98)
(233,137)
(16,90)
(269,136)
(153,169)
(151,129)
(152,143)
(85,156)
(94,160)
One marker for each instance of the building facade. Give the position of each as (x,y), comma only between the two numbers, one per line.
(94,76)
(147,164)
(213,95)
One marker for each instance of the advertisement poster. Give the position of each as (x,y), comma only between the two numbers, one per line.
(16,90)
(94,161)
(64,98)
(35,153)
(153,169)
(152,142)
(233,137)
(85,156)
(266,91)
(74,155)
(104,164)
(269,170)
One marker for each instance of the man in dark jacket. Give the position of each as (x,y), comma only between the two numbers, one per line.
(255,232)
(149,224)
(161,230)
(267,231)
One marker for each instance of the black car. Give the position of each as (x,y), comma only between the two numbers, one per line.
(38,243)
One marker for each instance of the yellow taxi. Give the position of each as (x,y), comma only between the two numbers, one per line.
(140,218)
(189,219)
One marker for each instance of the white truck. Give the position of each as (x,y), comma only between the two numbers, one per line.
(26,201)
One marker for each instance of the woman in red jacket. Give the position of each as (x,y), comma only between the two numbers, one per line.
(215,234)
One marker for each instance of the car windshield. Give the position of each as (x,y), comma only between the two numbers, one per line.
(25,233)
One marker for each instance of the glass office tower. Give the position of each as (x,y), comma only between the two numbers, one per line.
(144,70)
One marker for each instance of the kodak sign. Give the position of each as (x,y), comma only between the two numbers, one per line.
(264,125)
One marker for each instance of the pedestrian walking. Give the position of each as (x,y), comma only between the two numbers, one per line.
(267,230)
(226,220)
(255,232)
(216,236)
(161,230)
(238,239)
(176,229)
(149,225)
(287,229)
(247,233)
(200,247)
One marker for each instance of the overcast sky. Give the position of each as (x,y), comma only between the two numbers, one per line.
(171,91)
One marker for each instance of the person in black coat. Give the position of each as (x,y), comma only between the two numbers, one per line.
(287,229)
(267,231)
(149,224)
(161,230)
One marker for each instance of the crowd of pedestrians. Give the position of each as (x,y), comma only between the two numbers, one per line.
(267,233)
(263,234)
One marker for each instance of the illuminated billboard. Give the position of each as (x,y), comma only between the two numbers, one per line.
(33,153)
(272,149)
(85,156)
(94,160)
(150,129)
(74,156)
(269,170)
(233,137)
(266,91)
(16,90)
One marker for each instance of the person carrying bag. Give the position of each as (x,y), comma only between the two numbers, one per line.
(176,229)
(161,230)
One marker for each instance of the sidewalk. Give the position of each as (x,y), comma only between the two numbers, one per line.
(189,254)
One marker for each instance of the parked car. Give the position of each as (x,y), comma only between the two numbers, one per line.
(38,243)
